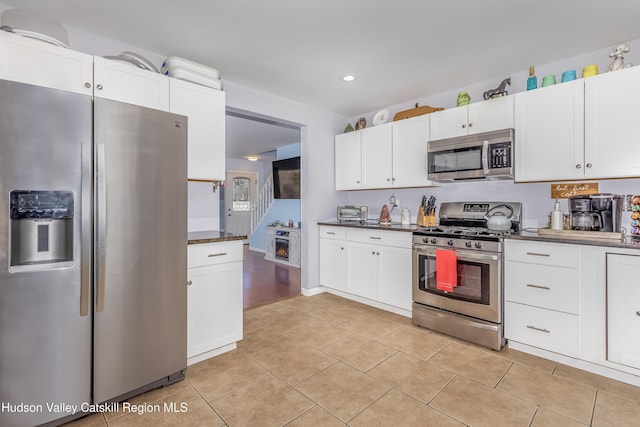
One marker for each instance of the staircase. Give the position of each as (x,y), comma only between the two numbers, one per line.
(263,202)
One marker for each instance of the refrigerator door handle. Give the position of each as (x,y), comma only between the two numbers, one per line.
(85,229)
(101,211)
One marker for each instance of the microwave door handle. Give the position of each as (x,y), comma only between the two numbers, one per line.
(485,157)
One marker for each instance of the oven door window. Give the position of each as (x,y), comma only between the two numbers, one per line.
(473,280)
(456,160)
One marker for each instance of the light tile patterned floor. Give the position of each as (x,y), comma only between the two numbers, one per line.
(327,361)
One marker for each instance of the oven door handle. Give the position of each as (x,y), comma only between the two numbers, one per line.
(461,254)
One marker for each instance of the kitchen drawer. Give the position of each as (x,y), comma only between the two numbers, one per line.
(214,253)
(558,254)
(378,237)
(546,329)
(337,233)
(555,288)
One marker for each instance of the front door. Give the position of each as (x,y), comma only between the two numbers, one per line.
(240,197)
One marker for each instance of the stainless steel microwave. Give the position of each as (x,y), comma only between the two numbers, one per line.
(487,155)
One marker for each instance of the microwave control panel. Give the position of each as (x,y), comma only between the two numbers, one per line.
(500,155)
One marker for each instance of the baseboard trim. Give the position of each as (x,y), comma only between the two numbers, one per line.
(313,291)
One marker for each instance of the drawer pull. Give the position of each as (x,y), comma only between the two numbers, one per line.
(218,254)
(537,254)
(375,238)
(538,286)
(330,232)
(538,329)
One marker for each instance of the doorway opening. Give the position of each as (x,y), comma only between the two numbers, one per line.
(253,143)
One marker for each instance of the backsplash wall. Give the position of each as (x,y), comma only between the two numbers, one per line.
(535,197)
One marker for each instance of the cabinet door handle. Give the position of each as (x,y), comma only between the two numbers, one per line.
(99,87)
(375,238)
(388,179)
(589,165)
(537,254)
(638,313)
(538,286)
(189,282)
(357,182)
(464,126)
(470,124)
(87,85)
(218,254)
(578,166)
(342,248)
(546,331)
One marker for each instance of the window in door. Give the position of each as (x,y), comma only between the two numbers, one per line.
(241,202)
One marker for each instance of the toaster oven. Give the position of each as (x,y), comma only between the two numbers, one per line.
(352,213)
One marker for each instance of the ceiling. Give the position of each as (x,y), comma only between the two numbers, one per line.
(250,136)
(399,50)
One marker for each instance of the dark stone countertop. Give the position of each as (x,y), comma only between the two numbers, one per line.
(626,242)
(199,237)
(372,224)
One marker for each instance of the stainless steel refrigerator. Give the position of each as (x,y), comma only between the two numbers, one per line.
(93,235)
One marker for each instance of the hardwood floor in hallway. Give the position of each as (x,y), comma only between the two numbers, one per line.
(265,282)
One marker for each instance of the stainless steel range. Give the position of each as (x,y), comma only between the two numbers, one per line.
(464,251)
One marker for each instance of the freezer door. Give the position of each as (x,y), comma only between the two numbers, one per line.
(141,247)
(45,321)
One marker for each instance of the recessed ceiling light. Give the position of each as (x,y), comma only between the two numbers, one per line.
(349,77)
(252,158)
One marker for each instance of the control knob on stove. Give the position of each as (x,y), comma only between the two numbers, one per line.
(468,243)
(434,241)
(478,245)
(450,242)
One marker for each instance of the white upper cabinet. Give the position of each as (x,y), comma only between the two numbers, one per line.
(612,111)
(377,151)
(205,109)
(484,116)
(391,155)
(37,63)
(348,161)
(121,82)
(549,133)
(410,138)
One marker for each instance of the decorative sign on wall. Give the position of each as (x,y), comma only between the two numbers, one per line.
(566,190)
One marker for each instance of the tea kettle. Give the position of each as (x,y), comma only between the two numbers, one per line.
(498,220)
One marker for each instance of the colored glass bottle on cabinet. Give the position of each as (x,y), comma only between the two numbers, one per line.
(532,81)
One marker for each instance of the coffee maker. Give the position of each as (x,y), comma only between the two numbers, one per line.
(605,204)
(582,216)
(595,212)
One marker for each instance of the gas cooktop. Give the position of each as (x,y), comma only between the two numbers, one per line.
(459,231)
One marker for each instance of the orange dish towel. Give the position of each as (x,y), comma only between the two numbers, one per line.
(446,270)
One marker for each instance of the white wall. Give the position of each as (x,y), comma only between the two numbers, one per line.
(536,197)
(204,207)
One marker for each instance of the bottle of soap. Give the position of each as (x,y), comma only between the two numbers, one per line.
(532,81)
(557,217)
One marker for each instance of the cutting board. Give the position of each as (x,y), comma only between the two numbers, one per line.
(413,112)
(579,234)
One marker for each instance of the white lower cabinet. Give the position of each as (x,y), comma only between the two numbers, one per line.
(542,292)
(578,304)
(214,299)
(368,263)
(623,310)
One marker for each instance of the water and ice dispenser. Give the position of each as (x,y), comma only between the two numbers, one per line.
(41,230)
